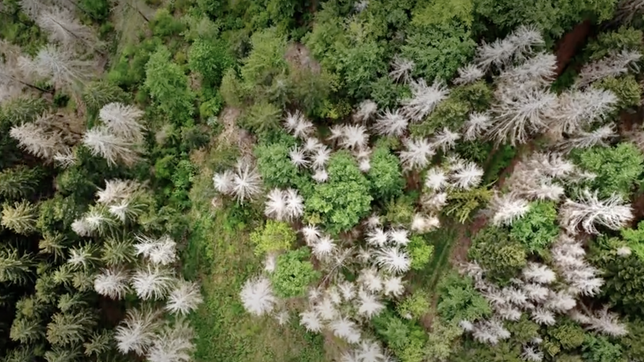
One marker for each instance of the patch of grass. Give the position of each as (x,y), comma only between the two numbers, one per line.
(220,255)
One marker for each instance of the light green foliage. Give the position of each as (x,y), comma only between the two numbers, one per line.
(274,163)
(344,199)
(415,305)
(168,86)
(442,11)
(626,88)
(164,24)
(617,168)
(261,118)
(293,274)
(420,252)
(22,110)
(272,237)
(231,88)
(266,59)
(440,341)
(624,38)
(566,335)
(461,203)
(538,228)
(600,349)
(309,90)
(385,175)
(459,300)
(498,253)
(14,267)
(210,58)
(400,211)
(19,217)
(524,330)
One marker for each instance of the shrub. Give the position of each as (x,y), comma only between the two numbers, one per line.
(293,274)
(420,252)
(272,237)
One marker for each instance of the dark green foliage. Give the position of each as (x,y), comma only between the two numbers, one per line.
(210,58)
(22,110)
(386,93)
(624,38)
(341,202)
(19,182)
(617,168)
(97,9)
(459,300)
(293,274)
(600,349)
(498,253)
(404,338)
(500,160)
(128,70)
(632,346)
(538,228)
(17,28)
(502,352)
(261,118)
(274,236)
(168,86)
(359,65)
(524,330)
(476,151)
(552,17)
(99,93)
(439,49)
(623,274)
(385,175)
(626,89)
(308,90)
(164,24)
(274,163)
(420,252)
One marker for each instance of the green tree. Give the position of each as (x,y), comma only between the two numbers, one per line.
(273,236)
(265,60)
(15,267)
(415,305)
(538,228)
(293,274)
(262,118)
(274,163)
(499,254)
(210,58)
(566,335)
(385,175)
(617,168)
(18,182)
(600,349)
(168,86)
(344,199)
(19,217)
(420,252)
(626,88)
(459,300)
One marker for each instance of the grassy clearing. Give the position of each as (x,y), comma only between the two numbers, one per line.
(443,240)
(220,256)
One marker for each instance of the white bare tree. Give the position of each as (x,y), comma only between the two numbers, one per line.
(368,304)
(354,137)
(612,65)
(246,181)
(161,251)
(424,99)
(391,124)
(468,176)
(515,47)
(311,321)
(297,124)
(63,27)
(36,140)
(507,208)
(468,74)
(224,182)
(367,109)
(393,259)
(445,139)
(112,283)
(114,149)
(184,298)
(578,109)
(257,296)
(172,343)
(123,121)
(417,153)
(346,329)
(476,125)
(117,190)
(298,157)
(520,113)
(136,331)
(583,139)
(152,282)
(612,213)
(537,71)
(401,69)
(62,67)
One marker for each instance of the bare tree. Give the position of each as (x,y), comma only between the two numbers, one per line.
(391,124)
(366,110)
(628,9)
(123,121)
(598,137)
(12,78)
(60,66)
(63,27)
(507,208)
(613,213)
(577,109)
(172,343)
(424,99)
(516,46)
(34,139)
(417,153)
(136,331)
(257,296)
(468,74)
(112,148)
(612,65)
(401,69)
